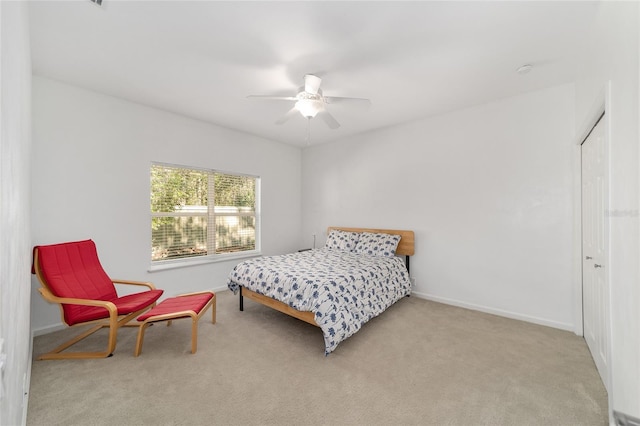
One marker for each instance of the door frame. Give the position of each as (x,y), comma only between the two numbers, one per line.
(598,108)
(601,106)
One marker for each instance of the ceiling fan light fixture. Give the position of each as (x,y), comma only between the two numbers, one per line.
(309,108)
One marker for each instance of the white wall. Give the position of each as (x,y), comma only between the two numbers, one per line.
(487,190)
(615,64)
(15,241)
(91,162)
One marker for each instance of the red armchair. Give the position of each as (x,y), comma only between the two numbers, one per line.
(71,275)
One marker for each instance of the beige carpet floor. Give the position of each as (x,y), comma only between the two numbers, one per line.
(419,363)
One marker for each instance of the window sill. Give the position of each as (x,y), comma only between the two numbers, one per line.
(183,263)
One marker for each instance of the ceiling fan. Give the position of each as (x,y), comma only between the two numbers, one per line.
(310,102)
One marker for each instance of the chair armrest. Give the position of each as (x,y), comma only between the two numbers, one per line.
(50,297)
(130,282)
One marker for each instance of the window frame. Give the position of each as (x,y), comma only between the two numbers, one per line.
(210,214)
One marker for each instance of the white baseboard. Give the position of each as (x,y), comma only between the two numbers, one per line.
(48,329)
(219,289)
(498,312)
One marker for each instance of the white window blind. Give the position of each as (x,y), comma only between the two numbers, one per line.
(198,212)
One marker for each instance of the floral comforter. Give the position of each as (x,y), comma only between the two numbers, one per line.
(344,290)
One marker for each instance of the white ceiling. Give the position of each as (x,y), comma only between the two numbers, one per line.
(412,59)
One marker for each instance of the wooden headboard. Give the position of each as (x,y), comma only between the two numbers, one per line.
(405,246)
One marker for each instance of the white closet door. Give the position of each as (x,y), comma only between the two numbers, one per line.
(595,286)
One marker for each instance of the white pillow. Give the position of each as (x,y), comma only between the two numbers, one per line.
(378,244)
(342,240)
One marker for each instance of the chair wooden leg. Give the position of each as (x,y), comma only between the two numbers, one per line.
(213,309)
(194,333)
(113,323)
(113,333)
(140,338)
(56,353)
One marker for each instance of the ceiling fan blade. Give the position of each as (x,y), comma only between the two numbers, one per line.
(312,84)
(355,101)
(328,119)
(273,98)
(293,111)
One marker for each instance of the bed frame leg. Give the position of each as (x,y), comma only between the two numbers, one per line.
(406,262)
(241,300)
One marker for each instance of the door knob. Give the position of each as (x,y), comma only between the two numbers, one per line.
(595,265)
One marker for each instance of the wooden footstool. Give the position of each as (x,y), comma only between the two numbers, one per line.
(191,305)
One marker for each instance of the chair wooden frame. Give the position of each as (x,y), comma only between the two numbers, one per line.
(114,322)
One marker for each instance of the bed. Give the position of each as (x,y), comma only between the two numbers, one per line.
(355,277)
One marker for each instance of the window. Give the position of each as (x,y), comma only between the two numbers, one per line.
(197,213)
